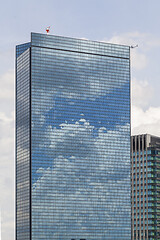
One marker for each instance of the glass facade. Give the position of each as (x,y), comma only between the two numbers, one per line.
(23,142)
(145,187)
(80,139)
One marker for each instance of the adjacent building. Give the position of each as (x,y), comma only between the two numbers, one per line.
(72,140)
(145,155)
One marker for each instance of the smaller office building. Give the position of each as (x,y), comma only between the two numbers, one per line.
(145,180)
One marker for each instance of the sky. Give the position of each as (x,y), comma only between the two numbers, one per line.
(117,21)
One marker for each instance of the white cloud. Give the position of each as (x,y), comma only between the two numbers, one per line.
(7,153)
(141,92)
(7,174)
(146,121)
(144,117)
(138,60)
(153,42)
(7,86)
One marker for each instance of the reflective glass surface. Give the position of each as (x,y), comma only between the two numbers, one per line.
(80,139)
(78,183)
(23,142)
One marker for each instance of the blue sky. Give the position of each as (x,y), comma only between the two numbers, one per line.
(90,18)
(118,21)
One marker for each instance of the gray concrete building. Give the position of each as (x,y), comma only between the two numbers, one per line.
(145,180)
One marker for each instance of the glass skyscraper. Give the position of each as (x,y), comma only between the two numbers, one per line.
(145,152)
(72,140)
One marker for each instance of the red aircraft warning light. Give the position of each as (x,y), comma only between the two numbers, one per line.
(48,29)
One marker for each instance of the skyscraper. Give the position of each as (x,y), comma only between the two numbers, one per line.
(145,152)
(72,140)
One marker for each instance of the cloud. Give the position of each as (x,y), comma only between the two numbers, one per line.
(7,174)
(146,121)
(144,117)
(141,93)
(153,42)
(7,86)
(7,152)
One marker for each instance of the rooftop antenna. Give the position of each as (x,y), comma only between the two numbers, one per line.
(48,29)
(135,46)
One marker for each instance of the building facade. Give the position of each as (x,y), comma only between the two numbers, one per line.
(145,155)
(72,140)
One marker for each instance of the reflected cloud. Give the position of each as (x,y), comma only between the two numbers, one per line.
(80,186)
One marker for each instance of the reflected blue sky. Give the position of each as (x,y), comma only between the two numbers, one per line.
(100,112)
